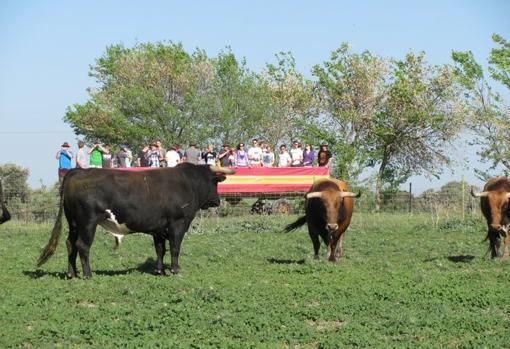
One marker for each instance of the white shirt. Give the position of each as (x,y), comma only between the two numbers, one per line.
(255,155)
(172,158)
(284,160)
(297,155)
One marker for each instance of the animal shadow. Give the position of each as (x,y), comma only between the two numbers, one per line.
(39,273)
(146,267)
(285,261)
(461,258)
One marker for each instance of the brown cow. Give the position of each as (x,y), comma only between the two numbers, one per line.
(495,205)
(328,212)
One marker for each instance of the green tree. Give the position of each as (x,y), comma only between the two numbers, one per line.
(150,91)
(489,113)
(420,116)
(15,183)
(290,100)
(398,116)
(351,88)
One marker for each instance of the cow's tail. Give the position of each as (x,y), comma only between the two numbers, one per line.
(50,248)
(292,226)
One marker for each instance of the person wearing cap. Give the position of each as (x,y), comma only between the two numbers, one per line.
(81,156)
(324,157)
(96,155)
(225,156)
(154,155)
(64,157)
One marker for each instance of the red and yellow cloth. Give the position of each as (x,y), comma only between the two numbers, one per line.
(272,179)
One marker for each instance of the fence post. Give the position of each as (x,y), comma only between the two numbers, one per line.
(410,197)
(463,198)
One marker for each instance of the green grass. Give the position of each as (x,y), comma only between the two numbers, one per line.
(402,284)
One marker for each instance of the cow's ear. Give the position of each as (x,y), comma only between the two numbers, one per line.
(219,177)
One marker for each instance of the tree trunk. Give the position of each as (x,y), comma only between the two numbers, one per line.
(379,183)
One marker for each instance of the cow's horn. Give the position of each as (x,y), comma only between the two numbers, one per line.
(349,194)
(508,195)
(480,194)
(216,169)
(315,194)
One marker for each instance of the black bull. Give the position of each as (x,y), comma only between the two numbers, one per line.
(161,202)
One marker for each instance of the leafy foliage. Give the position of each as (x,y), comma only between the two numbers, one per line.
(399,116)
(488,114)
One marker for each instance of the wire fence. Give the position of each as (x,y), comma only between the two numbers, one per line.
(41,205)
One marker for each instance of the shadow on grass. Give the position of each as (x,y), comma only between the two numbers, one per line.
(461,258)
(146,267)
(285,261)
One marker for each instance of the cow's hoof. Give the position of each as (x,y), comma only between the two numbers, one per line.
(333,259)
(175,270)
(159,272)
(316,256)
(70,275)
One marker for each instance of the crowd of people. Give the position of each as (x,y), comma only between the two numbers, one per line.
(155,155)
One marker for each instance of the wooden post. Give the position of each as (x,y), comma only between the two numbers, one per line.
(410,197)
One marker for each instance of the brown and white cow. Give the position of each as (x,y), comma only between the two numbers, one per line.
(328,212)
(495,205)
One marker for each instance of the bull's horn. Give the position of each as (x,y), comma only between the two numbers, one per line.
(480,194)
(315,194)
(349,194)
(508,195)
(216,169)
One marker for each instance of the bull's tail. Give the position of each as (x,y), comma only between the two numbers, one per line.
(50,248)
(292,226)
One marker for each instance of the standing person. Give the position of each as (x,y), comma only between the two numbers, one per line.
(96,155)
(241,156)
(308,155)
(122,157)
(129,159)
(267,156)
(162,153)
(325,157)
(143,156)
(284,159)
(153,155)
(64,157)
(224,156)
(192,154)
(172,157)
(255,154)
(296,154)
(81,156)
(209,155)
(179,151)
(107,157)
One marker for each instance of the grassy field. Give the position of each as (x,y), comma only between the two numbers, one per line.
(404,283)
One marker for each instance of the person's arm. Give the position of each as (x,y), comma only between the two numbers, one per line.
(328,165)
(58,155)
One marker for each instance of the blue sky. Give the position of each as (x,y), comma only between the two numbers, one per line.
(47,47)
